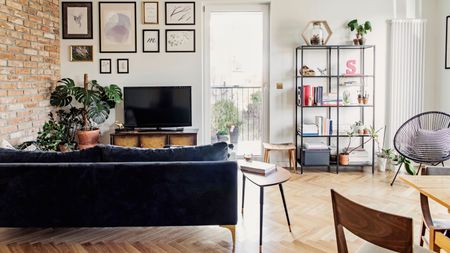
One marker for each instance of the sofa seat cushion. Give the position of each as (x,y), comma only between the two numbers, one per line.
(19,156)
(214,152)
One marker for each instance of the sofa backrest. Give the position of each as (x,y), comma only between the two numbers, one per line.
(213,152)
(19,156)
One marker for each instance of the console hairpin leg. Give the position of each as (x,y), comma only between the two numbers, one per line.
(261,207)
(285,207)
(243,193)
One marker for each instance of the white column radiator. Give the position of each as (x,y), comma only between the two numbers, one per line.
(406,73)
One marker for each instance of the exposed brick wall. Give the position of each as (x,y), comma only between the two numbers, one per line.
(29,65)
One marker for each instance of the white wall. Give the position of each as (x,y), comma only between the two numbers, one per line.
(145,68)
(287,20)
(442,74)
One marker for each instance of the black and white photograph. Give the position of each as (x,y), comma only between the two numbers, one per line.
(123,66)
(150,41)
(180,13)
(180,41)
(77,20)
(105,66)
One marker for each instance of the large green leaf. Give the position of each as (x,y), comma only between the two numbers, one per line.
(98,112)
(113,93)
(60,97)
(86,97)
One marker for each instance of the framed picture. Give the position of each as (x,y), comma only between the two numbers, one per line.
(447,44)
(80,53)
(123,66)
(180,41)
(77,20)
(150,43)
(105,66)
(180,13)
(150,12)
(117,21)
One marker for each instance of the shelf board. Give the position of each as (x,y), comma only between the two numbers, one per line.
(332,136)
(336,76)
(335,106)
(310,47)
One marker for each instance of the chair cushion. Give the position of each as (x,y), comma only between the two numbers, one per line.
(19,156)
(214,152)
(372,248)
(432,146)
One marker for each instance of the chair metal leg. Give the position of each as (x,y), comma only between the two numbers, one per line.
(261,207)
(418,170)
(243,194)
(395,177)
(285,207)
(443,165)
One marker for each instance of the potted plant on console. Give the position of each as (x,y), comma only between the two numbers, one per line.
(93,103)
(345,154)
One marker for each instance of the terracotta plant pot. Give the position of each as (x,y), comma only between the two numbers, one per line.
(366,131)
(63,148)
(360,100)
(360,131)
(365,101)
(88,139)
(343,159)
(356,42)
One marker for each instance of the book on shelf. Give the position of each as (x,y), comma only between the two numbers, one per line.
(312,95)
(324,125)
(310,130)
(257,167)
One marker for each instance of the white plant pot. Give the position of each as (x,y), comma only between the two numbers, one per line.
(381,163)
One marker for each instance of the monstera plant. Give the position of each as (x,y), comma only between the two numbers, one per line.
(93,103)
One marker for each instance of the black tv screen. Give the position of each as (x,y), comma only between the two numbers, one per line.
(168,106)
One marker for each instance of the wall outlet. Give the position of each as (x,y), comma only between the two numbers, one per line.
(279,86)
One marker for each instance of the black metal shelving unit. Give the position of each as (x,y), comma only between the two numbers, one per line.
(333,57)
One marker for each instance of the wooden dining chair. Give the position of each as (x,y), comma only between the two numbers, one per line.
(428,223)
(442,242)
(383,232)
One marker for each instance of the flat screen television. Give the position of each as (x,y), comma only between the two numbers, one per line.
(157,107)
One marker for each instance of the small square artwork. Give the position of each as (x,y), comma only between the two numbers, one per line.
(150,12)
(180,41)
(117,27)
(150,41)
(122,66)
(180,13)
(77,20)
(81,53)
(105,66)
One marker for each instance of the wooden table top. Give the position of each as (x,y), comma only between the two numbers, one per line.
(279,176)
(436,188)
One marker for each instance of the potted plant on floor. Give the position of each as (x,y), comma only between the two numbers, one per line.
(385,156)
(226,120)
(93,102)
(361,30)
(345,154)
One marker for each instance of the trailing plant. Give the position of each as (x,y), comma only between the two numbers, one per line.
(51,136)
(399,159)
(373,135)
(225,116)
(96,101)
(387,153)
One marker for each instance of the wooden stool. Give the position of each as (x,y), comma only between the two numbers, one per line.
(289,147)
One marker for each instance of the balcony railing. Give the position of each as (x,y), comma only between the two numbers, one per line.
(247,102)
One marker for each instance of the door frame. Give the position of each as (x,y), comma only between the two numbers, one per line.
(208,8)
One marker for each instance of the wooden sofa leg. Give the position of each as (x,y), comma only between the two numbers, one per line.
(232,229)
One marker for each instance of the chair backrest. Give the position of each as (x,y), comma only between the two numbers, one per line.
(386,230)
(424,204)
(404,137)
(442,241)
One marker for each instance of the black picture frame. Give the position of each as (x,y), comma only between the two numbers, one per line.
(102,50)
(65,22)
(447,44)
(180,51)
(143,40)
(167,15)
(118,66)
(110,66)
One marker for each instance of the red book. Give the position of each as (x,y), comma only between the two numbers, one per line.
(308,95)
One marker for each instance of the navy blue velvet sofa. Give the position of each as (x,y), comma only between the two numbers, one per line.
(109,186)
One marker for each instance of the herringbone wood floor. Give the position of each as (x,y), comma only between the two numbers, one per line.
(308,199)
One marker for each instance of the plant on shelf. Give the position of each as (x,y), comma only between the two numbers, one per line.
(225,119)
(91,104)
(344,155)
(361,30)
(363,99)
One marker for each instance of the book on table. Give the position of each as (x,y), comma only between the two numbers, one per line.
(257,167)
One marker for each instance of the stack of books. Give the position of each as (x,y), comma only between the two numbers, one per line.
(310,130)
(312,95)
(257,167)
(324,125)
(359,156)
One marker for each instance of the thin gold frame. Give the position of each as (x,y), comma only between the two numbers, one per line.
(157,13)
(71,55)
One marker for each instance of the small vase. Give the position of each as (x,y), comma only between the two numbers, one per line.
(343,159)
(366,131)
(360,100)
(365,101)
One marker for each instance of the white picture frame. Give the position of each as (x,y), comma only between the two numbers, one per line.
(180,13)
(150,41)
(150,12)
